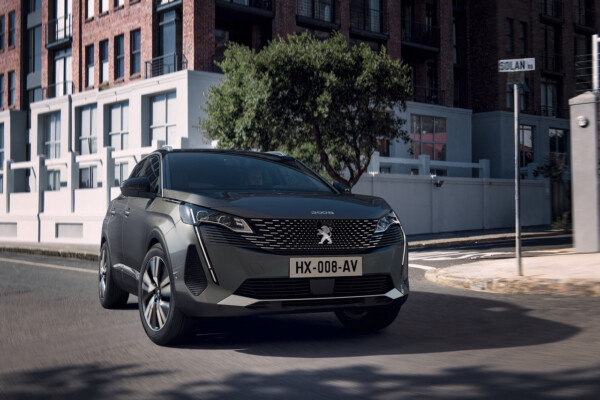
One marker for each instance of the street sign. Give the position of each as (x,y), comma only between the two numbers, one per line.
(516,65)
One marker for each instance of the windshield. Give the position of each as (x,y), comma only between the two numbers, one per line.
(221,172)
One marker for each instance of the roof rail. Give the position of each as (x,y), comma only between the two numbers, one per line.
(277,153)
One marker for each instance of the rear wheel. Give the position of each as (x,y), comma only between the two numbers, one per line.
(369,319)
(163,322)
(111,296)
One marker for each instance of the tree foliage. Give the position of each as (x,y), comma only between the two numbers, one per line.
(323,102)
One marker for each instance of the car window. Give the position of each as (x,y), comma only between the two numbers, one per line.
(222,172)
(151,170)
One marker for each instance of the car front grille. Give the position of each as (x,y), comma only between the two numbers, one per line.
(299,288)
(300,236)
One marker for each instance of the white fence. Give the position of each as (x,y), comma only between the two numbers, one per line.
(432,204)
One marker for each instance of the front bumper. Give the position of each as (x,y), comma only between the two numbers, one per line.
(232,266)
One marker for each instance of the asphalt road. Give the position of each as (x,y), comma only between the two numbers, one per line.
(57,342)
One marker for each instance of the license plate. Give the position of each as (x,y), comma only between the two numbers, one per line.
(317,267)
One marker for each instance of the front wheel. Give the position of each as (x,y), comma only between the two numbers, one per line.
(369,319)
(163,322)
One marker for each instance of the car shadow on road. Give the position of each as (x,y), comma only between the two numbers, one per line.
(95,381)
(428,323)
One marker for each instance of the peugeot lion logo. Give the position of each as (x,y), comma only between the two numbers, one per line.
(325,232)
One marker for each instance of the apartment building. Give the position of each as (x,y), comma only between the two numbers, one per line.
(88,87)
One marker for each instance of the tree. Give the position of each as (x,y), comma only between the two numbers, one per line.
(324,102)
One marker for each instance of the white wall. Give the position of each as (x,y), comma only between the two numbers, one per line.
(459,203)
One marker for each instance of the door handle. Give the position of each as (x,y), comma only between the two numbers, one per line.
(113,212)
(127,212)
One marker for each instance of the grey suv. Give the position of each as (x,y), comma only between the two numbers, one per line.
(206,233)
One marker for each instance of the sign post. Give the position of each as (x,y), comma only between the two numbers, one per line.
(516,69)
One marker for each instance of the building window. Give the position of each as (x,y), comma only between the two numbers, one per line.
(89,65)
(119,126)
(525,145)
(510,97)
(510,47)
(35,5)
(119,56)
(11,88)
(169,43)
(523,38)
(1,91)
(121,173)
(87,130)
(35,49)
(88,177)
(89,9)
(136,52)
(163,118)
(316,9)
(1,32)
(52,135)
(11,28)
(34,94)
(559,140)
(104,61)
(103,6)
(365,15)
(62,73)
(119,3)
(549,98)
(53,180)
(1,146)
(428,136)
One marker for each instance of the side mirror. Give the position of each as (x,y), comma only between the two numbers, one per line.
(137,187)
(341,188)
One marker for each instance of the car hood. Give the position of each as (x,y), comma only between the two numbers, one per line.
(288,205)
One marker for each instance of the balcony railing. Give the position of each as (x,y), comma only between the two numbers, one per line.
(366,19)
(165,65)
(585,17)
(422,34)
(553,63)
(552,8)
(262,4)
(57,90)
(316,9)
(59,30)
(553,111)
(424,94)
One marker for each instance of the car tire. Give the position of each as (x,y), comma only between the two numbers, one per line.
(110,295)
(163,322)
(369,319)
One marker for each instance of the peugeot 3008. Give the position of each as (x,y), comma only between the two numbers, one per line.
(206,233)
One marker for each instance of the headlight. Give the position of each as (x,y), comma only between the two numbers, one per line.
(388,220)
(195,215)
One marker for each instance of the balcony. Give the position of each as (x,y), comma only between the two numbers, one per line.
(165,65)
(553,111)
(420,35)
(553,64)
(57,90)
(552,9)
(59,32)
(424,94)
(244,8)
(585,19)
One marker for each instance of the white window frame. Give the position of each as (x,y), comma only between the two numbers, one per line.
(94,182)
(52,139)
(88,138)
(123,129)
(167,126)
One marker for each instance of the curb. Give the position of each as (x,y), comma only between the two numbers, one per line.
(51,252)
(415,244)
(517,285)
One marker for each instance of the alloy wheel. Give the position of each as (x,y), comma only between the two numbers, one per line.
(102,273)
(156,293)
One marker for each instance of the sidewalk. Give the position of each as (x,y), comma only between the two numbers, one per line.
(559,275)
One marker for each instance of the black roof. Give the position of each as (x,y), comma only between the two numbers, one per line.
(257,154)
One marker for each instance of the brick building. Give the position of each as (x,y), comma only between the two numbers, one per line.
(87,87)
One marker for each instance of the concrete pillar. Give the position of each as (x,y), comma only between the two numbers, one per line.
(585,172)
(108,164)
(424,167)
